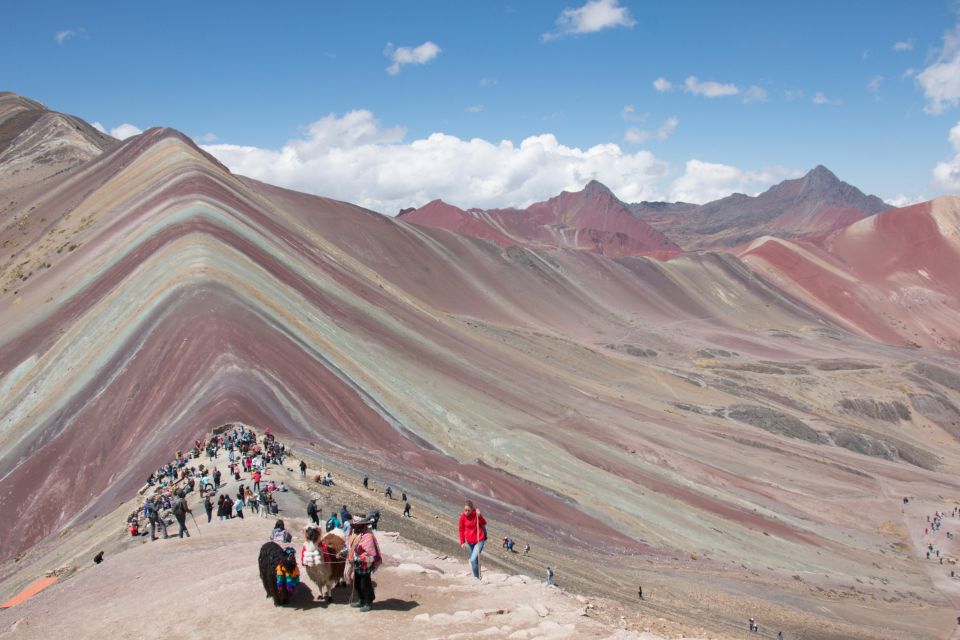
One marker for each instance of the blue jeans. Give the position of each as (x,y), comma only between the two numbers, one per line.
(475,550)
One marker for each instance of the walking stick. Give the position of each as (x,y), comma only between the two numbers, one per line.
(195,521)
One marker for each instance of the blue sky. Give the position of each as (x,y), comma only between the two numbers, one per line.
(271,86)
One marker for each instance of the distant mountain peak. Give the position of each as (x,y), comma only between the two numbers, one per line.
(821,170)
(596,187)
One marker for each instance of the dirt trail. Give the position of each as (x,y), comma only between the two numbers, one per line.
(208,585)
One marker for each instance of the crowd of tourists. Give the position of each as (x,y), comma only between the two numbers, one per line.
(342,539)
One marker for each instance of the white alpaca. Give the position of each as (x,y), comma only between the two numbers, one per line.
(324,574)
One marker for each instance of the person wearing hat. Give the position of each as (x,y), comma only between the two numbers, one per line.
(364,556)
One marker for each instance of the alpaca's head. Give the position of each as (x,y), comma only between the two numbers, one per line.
(289,559)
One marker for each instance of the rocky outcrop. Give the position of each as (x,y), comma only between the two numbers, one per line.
(893,411)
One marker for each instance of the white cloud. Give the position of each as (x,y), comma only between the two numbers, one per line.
(121,132)
(488,82)
(62,36)
(662,85)
(754,94)
(903,45)
(820,99)
(474,108)
(941,80)
(206,138)
(636,135)
(594,16)
(874,85)
(946,175)
(793,94)
(901,200)
(410,55)
(125,130)
(908,73)
(629,113)
(354,158)
(709,88)
(705,181)
(668,127)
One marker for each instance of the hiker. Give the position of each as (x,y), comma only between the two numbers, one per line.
(374,519)
(345,516)
(549,577)
(97,559)
(216,478)
(208,507)
(152,512)
(238,505)
(640,591)
(406,510)
(473,533)
(389,492)
(312,512)
(180,511)
(364,556)
(526,549)
(256,480)
(403,496)
(779,635)
(333,522)
(303,468)
(366,482)
(279,534)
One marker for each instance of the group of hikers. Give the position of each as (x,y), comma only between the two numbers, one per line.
(247,454)
(174,481)
(931,531)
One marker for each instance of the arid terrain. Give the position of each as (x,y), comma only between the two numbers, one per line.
(732,421)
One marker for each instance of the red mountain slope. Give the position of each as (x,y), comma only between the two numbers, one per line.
(589,220)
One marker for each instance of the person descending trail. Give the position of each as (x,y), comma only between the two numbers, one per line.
(303,468)
(180,511)
(313,513)
(152,513)
(473,534)
(208,507)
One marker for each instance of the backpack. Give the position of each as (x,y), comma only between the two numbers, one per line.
(179,508)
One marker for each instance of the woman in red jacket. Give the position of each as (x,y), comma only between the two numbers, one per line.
(473,533)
